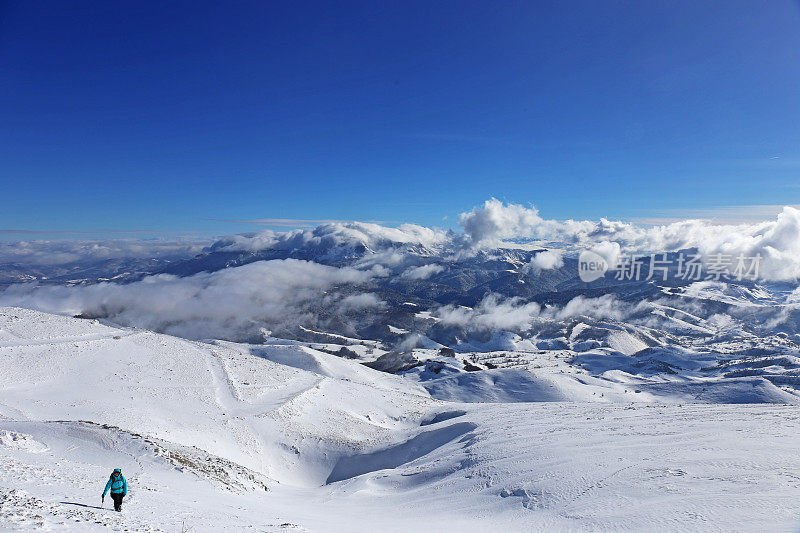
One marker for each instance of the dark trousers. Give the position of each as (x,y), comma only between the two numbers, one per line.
(117,501)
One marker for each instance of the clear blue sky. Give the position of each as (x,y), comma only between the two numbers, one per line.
(158,116)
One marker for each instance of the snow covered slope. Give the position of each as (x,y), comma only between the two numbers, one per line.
(221,436)
(253,408)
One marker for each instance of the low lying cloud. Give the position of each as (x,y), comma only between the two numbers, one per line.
(234,303)
(610,251)
(360,302)
(280,295)
(546,260)
(604,307)
(422,272)
(51,253)
(495,312)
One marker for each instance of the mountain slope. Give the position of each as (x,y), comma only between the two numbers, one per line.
(227,437)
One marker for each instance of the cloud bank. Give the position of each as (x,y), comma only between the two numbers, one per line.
(495,224)
(776,241)
(486,227)
(234,303)
(337,284)
(351,237)
(51,253)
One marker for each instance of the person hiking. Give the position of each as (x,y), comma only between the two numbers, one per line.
(119,488)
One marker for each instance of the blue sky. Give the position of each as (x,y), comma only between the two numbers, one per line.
(179,117)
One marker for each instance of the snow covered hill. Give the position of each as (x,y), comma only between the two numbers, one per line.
(285,436)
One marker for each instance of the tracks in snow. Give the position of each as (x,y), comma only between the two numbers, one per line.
(68,340)
(228,398)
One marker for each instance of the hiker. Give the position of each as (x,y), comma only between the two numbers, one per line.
(119,488)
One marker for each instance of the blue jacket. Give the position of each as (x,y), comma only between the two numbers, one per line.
(117,485)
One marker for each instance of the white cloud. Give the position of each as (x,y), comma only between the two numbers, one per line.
(494,221)
(777,241)
(546,260)
(515,314)
(422,272)
(339,236)
(234,303)
(603,307)
(360,302)
(610,251)
(50,253)
(493,312)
